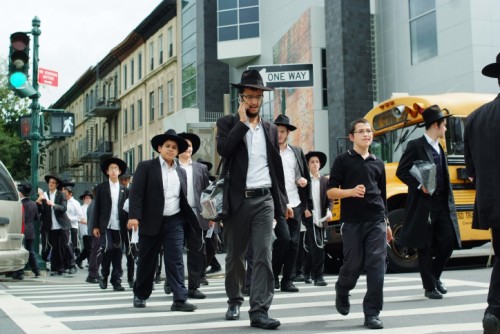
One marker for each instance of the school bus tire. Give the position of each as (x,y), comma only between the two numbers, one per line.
(400,258)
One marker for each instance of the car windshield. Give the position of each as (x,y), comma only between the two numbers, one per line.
(8,191)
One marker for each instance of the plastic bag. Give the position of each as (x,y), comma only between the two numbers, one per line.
(425,173)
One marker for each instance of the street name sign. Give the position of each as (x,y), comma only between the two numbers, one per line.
(286,75)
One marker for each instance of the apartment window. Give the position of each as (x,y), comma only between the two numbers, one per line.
(139,153)
(324,81)
(132,71)
(139,113)
(170,42)
(160,49)
(115,122)
(423,30)
(124,76)
(151,106)
(132,117)
(125,121)
(170,96)
(115,86)
(237,19)
(129,159)
(160,101)
(151,56)
(139,66)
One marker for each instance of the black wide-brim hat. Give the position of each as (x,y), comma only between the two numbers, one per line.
(65,183)
(86,193)
(24,188)
(285,121)
(321,156)
(125,175)
(170,134)
(206,163)
(433,114)
(53,176)
(193,138)
(251,78)
(492,70)
(121,164)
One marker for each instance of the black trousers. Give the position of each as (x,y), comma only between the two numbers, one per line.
(131,251)
(494,291)
(87,248)
(61,255)
(315,255)
(286,245)
(196,257)
(212,245)
(111,249)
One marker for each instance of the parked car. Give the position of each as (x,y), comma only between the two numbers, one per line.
(13,255)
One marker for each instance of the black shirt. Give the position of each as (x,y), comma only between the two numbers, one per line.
(349,170)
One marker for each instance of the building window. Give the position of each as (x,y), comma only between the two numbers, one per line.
(116,127)
(129,160)
(139,66)
(189,65)
(160,49)
(170,42)
(151,56)
(125,121)
(170,96)
(132,117)
(139,153)
(139,113)
(151,106)
(115,82)
(132,71)
(160,101)
(324,81)
(423,30)
(124,76)
(237,19)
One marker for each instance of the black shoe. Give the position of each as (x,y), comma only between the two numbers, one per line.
(263,321)
(138,302)
(79,264)
(441,287)
(118,287)
(342,303)
(299,278)
(203,281)
(72,270)
(276,284)
(130,283)
(246,291)
(307,279)
(183,306)
(18,277)
(320,281)
(103,283)
(167,288)
(491,324)
(196,294)
(93,280)
(373,322)
(213,270)
(433,294)
(288,287)
(233,312)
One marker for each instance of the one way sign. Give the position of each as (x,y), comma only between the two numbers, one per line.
(286,75)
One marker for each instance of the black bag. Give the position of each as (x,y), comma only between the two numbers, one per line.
(213,200)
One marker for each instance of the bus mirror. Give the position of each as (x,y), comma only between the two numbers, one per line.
(398,111)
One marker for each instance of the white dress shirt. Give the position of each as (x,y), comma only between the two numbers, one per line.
(292,174)
(190,182)
(74,212)
(114,220)
(171,188)
(258,175)
(55,224)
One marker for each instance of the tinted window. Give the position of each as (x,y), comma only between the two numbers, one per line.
(8,190)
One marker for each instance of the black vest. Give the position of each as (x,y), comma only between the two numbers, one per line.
(439,161)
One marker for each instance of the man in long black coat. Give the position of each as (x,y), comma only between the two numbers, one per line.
(482,158)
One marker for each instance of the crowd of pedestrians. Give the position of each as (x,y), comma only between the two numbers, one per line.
(278,202)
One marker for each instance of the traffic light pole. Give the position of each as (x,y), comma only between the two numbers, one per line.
(35,131)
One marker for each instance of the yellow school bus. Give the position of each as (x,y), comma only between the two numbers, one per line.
(394,123)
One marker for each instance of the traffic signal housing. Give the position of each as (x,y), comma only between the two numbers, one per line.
(19,56)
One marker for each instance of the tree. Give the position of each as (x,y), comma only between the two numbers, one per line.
(14,152)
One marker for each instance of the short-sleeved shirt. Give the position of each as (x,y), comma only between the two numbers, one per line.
(349,169)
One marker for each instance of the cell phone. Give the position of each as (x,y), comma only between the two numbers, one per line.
(240,98)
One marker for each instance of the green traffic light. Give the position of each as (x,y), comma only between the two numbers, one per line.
(18,79)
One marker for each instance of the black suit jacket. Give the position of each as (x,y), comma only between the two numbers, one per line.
(60,207)
(30,216)
(147,198)
(200,182)
(304,192)
(102,207)
(418,204)
(231,146)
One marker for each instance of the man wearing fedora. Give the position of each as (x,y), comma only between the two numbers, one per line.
(482,158)
(322,207)
(256,195)
(298,189)
(110,221)
(52,207)
(159,208)
(431,224)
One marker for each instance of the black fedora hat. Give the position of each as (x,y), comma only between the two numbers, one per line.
(433,114)
(251,78)
(125,175)
(86,193)
(492,70)
(121,164)
(285,121)
(53,176)
(206,163)
(193,138)
(65,183)
(158,140)
(321,156)
(25,188)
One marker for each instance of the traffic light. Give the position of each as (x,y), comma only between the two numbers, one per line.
(19,56)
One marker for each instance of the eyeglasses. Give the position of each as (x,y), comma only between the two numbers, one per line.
(367,131)
(253,97)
